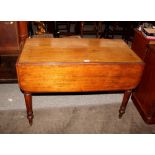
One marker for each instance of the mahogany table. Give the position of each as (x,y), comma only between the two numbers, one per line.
(77,65)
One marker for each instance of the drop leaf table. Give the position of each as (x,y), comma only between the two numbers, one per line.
(60,65)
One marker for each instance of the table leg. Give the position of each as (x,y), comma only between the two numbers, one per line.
(126,97)
(28,102)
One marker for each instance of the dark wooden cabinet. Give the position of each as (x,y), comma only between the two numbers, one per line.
(140,44)
(12,37)
(144,95)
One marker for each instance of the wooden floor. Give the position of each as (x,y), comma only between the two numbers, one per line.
(7,69)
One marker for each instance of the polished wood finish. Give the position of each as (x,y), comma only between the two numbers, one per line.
(73,50)
(126,97)
(77,65)
(8,69)
(140,44)
(23,30)
(28,101)
(78,77)
(144,95)
(9,39)
(12,37)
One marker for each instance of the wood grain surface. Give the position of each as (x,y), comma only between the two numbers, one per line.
(77,65)
(46,50)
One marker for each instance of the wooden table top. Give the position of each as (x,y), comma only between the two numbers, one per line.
(75,50)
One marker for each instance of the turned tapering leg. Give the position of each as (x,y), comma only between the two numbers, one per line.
(28,102)
(126,97)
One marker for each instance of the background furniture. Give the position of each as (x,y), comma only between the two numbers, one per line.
(12,37)
(123,28)
(62,27)
(144,95)
(65,28)
(89,28)
(140,44)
